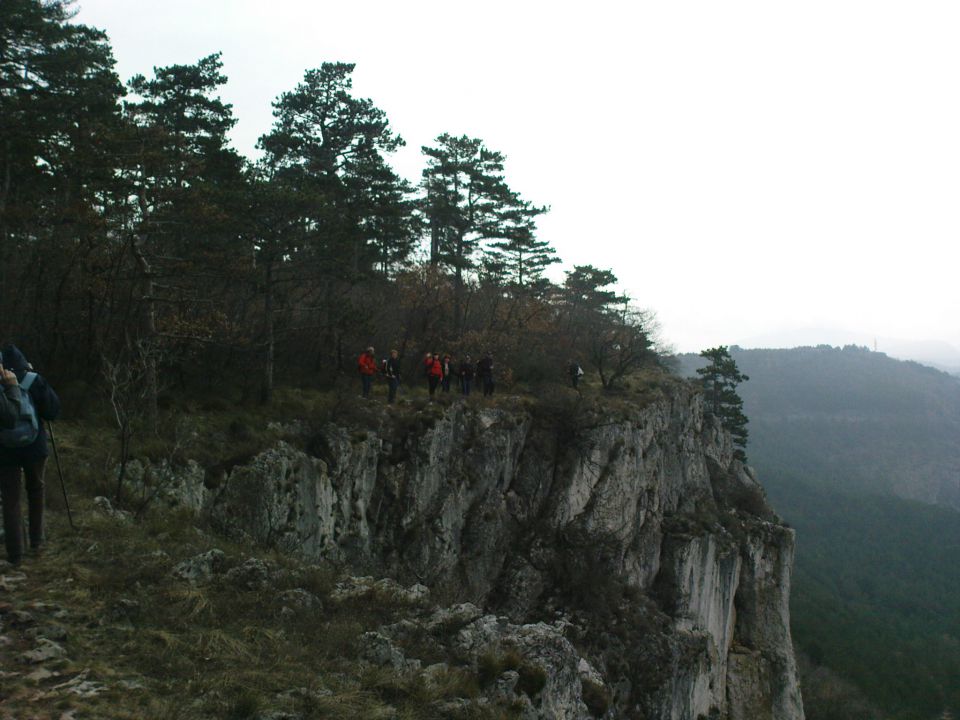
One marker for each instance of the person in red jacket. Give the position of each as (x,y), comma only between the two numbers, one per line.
(367,366)
(427,365)
(434,371)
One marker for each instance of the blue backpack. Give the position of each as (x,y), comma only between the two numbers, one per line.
(28,424)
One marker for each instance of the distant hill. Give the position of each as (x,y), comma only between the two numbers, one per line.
(852,419)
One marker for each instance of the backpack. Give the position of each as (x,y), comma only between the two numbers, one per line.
(28,424)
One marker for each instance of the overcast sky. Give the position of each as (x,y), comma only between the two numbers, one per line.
(750,170)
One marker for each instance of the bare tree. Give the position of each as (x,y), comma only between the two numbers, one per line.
(130,390)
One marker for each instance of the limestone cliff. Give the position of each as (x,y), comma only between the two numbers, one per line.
(630,533)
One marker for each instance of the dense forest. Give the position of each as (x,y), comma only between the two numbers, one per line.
(842,438)
(136,245)
(877,594)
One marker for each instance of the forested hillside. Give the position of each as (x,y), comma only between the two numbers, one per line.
(877,594)
(838,435)
(137,245)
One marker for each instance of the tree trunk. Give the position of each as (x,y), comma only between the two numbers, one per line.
(266,390)
(458,291)
(148,330)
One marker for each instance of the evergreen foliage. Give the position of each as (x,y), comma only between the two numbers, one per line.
(876,595)
(129,228)
(720,380)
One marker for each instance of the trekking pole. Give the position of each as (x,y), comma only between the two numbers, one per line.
(63,485)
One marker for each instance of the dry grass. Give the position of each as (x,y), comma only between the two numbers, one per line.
(163,649)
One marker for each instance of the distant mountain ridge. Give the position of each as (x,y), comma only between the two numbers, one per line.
(852,419)
(935,353)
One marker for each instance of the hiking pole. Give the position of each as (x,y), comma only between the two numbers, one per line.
(63,485)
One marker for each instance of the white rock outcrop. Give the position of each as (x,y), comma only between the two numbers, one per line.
(491,501)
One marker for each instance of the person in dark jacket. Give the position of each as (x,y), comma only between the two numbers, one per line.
(29,460)
(9,398)
(485,374)
(447,366)
(575,372)
(391,368)
(466,376)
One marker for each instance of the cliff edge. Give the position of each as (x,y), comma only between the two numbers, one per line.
(621,547)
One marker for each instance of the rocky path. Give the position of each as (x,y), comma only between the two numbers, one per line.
(37,680)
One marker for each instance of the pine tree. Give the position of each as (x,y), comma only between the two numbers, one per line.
(329,144)
(720,379)
(522,256)
(468,202)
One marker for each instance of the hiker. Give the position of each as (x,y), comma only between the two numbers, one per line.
(466,376)
(575,372)
(367,366)
(485,374)
(427,365)
(391,368)
(24,448)
(447,367)
(433,369)
(9,398)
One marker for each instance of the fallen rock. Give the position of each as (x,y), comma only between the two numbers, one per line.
(49,632)
(45,650)
(106,508)
(453,618)
(355,588)
(300,599)
(377,649)
(8,583)
(80,685)
(41,674)
(202,567)
(252,574)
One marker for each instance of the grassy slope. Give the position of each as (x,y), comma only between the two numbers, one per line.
(161,648)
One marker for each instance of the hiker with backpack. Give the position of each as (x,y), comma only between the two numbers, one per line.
(367,367)
(485,374)
(9,398)
(23,449)
(575,372)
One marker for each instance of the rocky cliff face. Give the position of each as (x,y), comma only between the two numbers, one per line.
(629,533)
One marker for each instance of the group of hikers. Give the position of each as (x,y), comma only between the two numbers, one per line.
(439,371)
(26,400)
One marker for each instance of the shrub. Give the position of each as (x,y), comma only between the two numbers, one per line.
(596,697)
